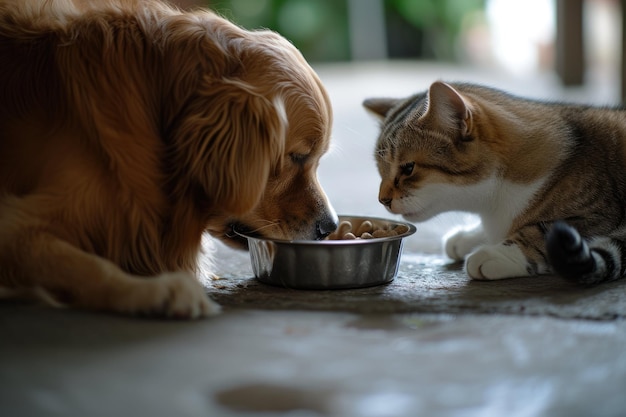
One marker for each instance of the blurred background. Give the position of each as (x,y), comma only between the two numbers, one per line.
(515,35)
(566,50)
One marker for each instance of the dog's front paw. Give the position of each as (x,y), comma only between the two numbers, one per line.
(174,295)
(463,242)
(497,262)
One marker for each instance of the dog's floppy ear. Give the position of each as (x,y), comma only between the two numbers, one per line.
(232,138)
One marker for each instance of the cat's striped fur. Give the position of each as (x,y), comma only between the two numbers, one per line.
(548,180)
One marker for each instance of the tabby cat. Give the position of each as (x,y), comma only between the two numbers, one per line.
(548,180)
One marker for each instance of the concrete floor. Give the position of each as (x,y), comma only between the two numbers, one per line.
(431,343)
(294,363)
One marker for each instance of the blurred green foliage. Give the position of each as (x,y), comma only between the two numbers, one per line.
(436,24)
(319,28)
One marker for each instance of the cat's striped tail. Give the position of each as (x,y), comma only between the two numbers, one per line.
(585,262)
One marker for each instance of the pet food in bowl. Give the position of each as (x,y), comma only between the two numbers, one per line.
(351,257)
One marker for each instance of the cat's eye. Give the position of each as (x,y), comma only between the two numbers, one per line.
(407,169)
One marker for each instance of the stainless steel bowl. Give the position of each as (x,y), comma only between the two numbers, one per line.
(329,264)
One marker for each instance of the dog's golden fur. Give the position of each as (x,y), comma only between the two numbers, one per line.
(129,128)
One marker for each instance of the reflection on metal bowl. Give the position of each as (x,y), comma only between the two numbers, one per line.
(329,264)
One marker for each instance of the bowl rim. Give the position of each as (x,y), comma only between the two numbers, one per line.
(340,242)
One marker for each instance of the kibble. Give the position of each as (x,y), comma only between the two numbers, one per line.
(366,230)
(344,228)
(365,227)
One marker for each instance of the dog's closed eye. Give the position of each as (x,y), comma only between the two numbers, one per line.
(298,158)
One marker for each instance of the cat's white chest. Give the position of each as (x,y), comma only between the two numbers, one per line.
(503,202)
(498,202)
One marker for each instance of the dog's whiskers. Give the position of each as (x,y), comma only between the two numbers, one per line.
(234,230)
(269,224)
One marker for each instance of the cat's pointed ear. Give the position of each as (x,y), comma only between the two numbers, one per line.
(448,108)
(380,107)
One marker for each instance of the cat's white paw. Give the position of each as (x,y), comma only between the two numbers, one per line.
(497,262)
(463,242)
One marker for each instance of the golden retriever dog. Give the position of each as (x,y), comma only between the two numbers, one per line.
(128,129)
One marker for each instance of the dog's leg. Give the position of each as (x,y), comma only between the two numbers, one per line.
(39,260)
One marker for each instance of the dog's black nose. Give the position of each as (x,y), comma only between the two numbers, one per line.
(326,226)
